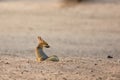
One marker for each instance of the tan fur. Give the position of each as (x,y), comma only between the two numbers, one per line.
(40,54)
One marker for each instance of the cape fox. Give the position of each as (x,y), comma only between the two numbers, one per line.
(40,54)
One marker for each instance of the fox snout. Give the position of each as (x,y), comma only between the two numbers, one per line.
(47,46)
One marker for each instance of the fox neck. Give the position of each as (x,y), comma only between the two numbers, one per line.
(40,46)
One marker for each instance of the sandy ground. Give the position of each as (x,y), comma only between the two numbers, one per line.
(81,35)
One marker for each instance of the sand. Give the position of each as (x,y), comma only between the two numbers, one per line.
(82,35)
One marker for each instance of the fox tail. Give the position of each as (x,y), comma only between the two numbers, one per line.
(53,58)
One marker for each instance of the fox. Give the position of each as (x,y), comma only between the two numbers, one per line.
(41,55)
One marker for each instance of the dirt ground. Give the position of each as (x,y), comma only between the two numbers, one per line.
(82,35)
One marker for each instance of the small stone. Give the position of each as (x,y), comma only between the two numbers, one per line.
(28,61)
(64,78)
(91,71)
(45,79)
(77,72)
(109,56)
(95,64)
(93,75)
(24,71)
(7,63)
(21,72)
(99,78)
(78,67)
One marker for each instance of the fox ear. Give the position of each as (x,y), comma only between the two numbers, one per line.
(39,38)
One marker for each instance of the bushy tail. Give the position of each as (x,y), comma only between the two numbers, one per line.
(53,58)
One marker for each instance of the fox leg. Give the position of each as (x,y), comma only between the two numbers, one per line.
(39,59)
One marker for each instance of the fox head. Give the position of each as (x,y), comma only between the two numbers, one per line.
(42,43)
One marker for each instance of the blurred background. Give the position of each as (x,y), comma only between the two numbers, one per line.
(86,28)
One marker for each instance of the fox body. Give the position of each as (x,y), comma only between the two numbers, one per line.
(40,54)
